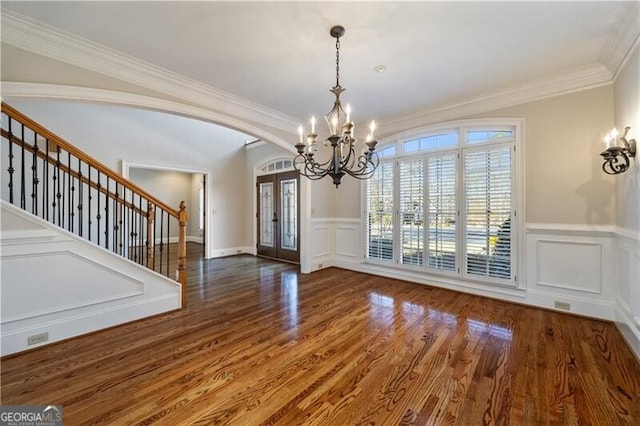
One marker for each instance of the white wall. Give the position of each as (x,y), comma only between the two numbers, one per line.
(169,186)
(57,283)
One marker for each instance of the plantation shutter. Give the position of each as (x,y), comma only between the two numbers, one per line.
(488,200)
(442,212)
(379,211)
(411,210)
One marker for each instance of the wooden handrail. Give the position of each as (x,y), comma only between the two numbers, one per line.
(57,140)
(66,169)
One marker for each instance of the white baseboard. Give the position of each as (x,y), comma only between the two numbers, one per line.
(232,251)
(631,334)
(194,239)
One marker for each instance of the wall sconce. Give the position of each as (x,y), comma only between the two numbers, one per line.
(616,158)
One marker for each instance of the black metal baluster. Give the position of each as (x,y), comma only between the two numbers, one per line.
(99,185)
(34,176)
(161,237)
(132,231)
(23,199)
(106,217)
(56,188)
(71,196)
(10,169)
(89,198)
(45,184)
(115,221)
(155,222)
(169,243)
(64,196)
(140,230)
(80,199)
(123,216)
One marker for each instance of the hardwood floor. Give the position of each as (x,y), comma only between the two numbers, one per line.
(262,344)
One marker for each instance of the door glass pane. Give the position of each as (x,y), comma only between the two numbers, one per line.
(289,220)
(266,214)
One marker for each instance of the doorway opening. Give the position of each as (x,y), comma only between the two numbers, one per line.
(173,185)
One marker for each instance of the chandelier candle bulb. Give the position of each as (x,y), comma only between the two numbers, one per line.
(348,110)
(300,132)
(313,124)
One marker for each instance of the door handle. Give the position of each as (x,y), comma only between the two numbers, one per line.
(275,219)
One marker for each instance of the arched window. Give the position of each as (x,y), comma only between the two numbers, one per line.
(444,201)
(276,166)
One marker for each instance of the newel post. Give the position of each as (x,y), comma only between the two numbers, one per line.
(151,237)
(182,252)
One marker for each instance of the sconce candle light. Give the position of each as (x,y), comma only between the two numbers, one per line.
(616,158)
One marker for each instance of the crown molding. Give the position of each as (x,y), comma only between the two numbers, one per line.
(586,78)
(40,38)
(111,97)
(37,37)
(620,44)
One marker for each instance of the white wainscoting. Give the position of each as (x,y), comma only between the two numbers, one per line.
(627,261)
(57,283)
(571,264)
(322,243)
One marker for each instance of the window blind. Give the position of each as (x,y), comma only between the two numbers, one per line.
(379,211)
(411,211)
(488,212)
(442,212)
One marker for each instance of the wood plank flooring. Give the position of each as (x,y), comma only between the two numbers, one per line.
(262,344)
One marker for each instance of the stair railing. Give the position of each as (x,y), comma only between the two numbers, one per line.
(52,179)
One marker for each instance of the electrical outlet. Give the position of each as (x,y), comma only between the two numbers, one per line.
(320,265)
(37,338)
(562,305)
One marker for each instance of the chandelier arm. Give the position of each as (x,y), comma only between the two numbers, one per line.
(367,167)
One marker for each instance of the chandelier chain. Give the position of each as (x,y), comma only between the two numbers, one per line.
(337,61)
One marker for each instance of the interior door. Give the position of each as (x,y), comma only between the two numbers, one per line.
(278,216)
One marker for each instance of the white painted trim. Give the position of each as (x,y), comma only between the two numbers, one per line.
(33,236)
(583,79)
(628,234)
(231,251)
(111,97)
(630,333)
(194,239)
(37,37)
(13,341)
(570,229)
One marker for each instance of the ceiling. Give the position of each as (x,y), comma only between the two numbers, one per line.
(280,54)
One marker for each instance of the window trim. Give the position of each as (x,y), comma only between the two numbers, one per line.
(518,200)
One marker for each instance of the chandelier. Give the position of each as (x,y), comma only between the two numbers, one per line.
(344,159)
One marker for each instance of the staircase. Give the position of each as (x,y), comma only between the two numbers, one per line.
(54,192)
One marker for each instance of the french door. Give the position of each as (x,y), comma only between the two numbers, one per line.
(278,216)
